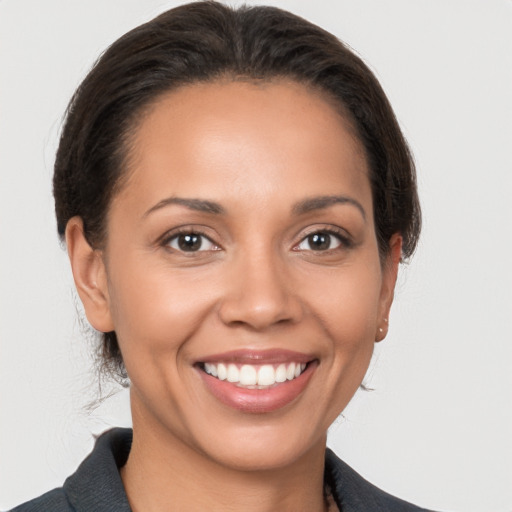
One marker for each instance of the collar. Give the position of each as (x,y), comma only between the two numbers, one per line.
(97,484)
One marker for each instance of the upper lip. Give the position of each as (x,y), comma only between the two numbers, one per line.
(269,356)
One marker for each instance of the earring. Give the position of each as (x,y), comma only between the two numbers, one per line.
(381,330)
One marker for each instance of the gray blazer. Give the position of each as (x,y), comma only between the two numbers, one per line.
(96,486)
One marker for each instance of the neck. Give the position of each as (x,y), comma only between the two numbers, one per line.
(163,474)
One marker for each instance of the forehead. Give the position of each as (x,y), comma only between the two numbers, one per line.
(255,138)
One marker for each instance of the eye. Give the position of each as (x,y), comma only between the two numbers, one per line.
(190,242)
(321,241)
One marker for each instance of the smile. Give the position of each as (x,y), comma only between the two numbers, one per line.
(257,382)
(255,376)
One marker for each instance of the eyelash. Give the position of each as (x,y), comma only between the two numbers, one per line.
(341,237)
(174,236)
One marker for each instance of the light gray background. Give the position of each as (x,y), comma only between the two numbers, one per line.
(438,428)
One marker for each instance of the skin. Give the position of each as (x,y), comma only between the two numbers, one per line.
(256,150)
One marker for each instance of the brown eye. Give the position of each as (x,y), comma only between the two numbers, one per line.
(320,241)
(191,242)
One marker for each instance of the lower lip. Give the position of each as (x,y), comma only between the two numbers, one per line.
(258,400)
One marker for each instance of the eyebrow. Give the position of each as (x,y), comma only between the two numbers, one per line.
(200,205)
(300,208)
(323,202)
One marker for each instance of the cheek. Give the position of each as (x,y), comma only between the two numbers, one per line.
(349,313)
(348,304)
(155,310)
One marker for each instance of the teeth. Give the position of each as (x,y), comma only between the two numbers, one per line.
(233,374)
(222,371)
(266,375)
(255,375)
(211,369)
(280,373)
(248,375)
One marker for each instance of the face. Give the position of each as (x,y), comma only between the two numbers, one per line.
(242,270)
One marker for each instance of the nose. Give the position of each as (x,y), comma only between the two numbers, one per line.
(259,294)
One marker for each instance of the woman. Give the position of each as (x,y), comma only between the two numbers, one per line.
(236,196)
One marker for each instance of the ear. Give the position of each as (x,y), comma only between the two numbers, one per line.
(90,276)
(387,292)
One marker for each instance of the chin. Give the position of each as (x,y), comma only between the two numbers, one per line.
(264,451)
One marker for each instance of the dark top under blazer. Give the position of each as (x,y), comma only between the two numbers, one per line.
(96,486)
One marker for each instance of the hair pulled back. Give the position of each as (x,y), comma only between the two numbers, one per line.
(201,42)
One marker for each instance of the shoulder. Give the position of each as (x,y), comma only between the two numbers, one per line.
(355,494)
(96,484)
(54,501)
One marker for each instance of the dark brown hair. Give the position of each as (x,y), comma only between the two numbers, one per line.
(201,42)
